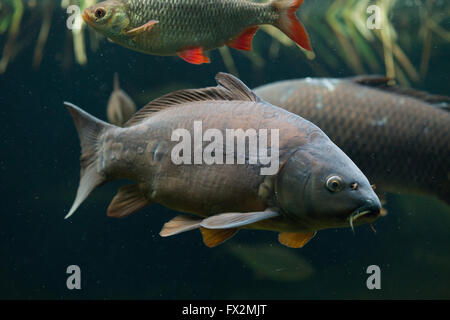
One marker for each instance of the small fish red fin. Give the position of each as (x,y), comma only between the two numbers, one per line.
(289,24)
(194,56)
(179,224)
(145,27)
(212,238)
(244,40)
(295,240)
(129,199)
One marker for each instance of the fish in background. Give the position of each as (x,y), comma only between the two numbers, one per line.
(187,28)
(316,186)
(273,262)
(120,106)
(399,137)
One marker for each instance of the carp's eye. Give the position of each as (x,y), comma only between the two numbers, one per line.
(334,183)
(100,13)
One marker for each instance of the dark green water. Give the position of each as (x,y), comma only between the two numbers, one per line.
(126,258)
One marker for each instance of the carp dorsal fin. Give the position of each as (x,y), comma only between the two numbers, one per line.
(212,238)
(234,220)
(129,199)
(386,84)
(295,240)
(229,88)
(179,224)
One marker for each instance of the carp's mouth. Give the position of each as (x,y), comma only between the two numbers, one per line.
(370,212)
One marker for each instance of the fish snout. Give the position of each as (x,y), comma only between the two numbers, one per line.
(86,17)
(373,206)
(367,213)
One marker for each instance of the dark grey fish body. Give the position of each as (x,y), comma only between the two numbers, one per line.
(397,137)
(296,199)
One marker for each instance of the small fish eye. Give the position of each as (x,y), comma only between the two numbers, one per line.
(100,13)
(334,183)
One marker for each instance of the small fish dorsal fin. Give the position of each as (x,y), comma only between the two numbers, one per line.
(228,88)
(384,83)
(116,82)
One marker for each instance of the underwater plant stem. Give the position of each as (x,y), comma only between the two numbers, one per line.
(43,34)
(13,33)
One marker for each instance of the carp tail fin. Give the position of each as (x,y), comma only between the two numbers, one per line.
(89,128)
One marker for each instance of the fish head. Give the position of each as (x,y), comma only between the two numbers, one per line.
(320,187)
(108,17)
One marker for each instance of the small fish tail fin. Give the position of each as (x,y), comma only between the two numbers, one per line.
(289,24)
(89,128)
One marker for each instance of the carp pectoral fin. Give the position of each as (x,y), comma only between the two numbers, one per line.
(234,220)
(145,27)
(128,200)
(212,238)
(244,40)
(295,240)
(181,223)
(194,56)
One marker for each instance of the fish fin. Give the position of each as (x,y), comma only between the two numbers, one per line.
(234,220)
(129,199)
(194,55)
(386,84)
(179,224)
(244,40)
(212,238)
(145,27)
(289,24)
(295,240)
(89,128)
(229,88)
(116,81)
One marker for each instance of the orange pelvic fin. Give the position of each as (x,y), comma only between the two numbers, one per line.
(244,40)
(194,55)
(295,240)
(145,27)
(181,223)
(214,237)
(289,24)
(128,200)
